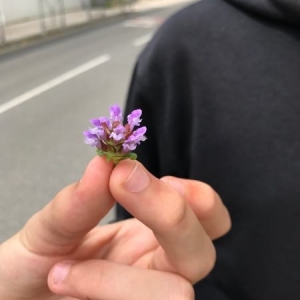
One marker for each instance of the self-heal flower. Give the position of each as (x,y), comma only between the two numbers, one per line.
(112,138)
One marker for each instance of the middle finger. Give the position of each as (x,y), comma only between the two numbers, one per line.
(186,248)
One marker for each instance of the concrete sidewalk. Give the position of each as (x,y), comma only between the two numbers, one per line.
(25,33)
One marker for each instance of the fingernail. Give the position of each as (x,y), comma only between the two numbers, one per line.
(137,181)
(60,272)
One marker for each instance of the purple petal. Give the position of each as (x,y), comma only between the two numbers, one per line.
(88,134)
(116,113)
(104,120)
(99,132)
(98,122)
(94,130)
(95,122)
(118,133)
(139,134)
(134,118)
(135,139)
(128,147)
(90,139)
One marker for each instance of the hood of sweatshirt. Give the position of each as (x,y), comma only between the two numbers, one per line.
(287,11)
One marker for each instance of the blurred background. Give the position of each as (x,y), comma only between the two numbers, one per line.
(61,64)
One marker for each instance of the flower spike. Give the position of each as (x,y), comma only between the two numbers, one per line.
(112,138)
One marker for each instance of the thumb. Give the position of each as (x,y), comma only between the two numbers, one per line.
(75,210)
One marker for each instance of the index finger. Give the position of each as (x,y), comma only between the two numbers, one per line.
(186,248)
(60,225)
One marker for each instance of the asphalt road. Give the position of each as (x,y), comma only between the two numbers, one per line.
(48,94)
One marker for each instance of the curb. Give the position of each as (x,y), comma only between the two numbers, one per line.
(55,34)
(51,35)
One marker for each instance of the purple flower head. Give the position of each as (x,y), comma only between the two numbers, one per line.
(112,138)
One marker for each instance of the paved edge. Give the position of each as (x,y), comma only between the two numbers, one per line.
(55,34)
(51,35)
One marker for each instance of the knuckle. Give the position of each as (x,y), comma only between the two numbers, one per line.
(209,201)
(201,190)
(176,215)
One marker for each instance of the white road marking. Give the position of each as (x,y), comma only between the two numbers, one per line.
(54,82)
(142,40)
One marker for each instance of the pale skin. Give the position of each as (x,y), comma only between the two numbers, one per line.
(61,253)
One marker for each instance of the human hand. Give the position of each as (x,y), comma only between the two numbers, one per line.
(158,256)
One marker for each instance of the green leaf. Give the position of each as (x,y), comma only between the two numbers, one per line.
(116,157)
(131,155)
